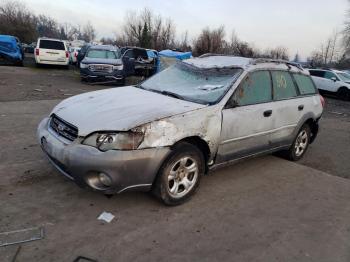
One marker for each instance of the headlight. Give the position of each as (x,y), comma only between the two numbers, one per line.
(116,141)
(82,65)
(118,67)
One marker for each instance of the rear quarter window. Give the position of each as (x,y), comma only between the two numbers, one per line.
(317,73)
(50,44)
(305,84)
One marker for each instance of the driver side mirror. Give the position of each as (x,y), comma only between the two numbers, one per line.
(334,79)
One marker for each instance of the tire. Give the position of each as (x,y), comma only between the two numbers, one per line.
(180,174)
(300,144)
(343,94)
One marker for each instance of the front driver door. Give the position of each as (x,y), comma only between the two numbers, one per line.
(247,119)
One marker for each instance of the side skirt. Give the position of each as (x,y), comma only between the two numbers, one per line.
(236,160)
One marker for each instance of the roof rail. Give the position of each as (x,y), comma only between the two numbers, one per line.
(212,54)
(277,61)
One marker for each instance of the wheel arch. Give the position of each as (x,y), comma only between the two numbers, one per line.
(201,144)
(313,124)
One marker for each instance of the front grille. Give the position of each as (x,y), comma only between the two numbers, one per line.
(63,128)
(101,68)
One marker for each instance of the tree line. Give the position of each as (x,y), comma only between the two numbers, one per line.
(17,20)
(144,29)
(149,30)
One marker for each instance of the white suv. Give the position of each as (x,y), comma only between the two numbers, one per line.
(332,81)
(51,52)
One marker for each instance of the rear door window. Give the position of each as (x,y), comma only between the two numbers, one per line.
(283,85)
(305,84)
(254,89)
(50,44)
(317,73)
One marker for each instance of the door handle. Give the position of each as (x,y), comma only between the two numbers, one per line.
(267,113)
(301,107)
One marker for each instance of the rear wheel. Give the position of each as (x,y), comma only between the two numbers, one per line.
(343,93)
(180,174)
(300,144)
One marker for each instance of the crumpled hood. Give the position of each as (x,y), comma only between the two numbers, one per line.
(119,109)
(88,60)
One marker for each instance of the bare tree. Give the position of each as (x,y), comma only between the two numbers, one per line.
(148,30)
(89,32)
(240,48)
(46,26)
(15,19)
(330,52)
(279,52)
(210,41)
(107,41)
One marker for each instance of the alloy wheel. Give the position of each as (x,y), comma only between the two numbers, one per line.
(301,143)
(182,176)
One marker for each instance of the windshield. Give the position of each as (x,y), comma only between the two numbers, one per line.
(344,77)
(205,86)
(104,54)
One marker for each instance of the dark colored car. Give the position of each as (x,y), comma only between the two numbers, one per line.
(11,50)
(82,53)
(29,48)
(104,64)
(146,60)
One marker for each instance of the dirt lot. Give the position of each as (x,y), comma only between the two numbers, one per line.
(264,209)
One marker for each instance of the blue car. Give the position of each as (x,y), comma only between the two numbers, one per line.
(10,50)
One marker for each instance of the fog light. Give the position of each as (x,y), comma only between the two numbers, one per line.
(105,179)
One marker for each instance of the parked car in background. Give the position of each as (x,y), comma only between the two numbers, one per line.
(146,60)
(346,71)
(11,51)
(104,64)
(73,54)
(82,53)
(51,52)
(167,132)
(332,82)
(29,48)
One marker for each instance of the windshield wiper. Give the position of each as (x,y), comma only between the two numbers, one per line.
(163,92)
(168,93)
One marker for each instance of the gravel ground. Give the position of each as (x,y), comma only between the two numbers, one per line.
(263,209)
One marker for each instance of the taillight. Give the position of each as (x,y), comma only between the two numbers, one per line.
(323,102)
(67,54)
(75,54)
(37,51)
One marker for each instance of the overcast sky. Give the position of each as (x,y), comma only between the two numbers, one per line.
(299,25)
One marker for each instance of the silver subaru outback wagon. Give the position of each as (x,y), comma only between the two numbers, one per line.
(195,116)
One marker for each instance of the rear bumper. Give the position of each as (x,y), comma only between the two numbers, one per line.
(51,62)
(128,170)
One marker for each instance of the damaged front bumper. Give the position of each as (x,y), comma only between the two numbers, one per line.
(126,170)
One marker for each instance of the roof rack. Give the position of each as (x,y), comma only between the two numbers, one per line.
(277,61)
(261,60)
(212,54)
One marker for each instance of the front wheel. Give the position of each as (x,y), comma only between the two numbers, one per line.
(300,144)
(179,175)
